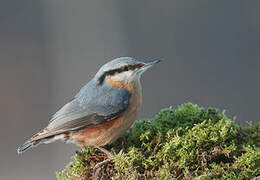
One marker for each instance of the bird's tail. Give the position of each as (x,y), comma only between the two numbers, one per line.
(27,145)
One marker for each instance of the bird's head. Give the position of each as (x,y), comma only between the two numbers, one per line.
(123,69)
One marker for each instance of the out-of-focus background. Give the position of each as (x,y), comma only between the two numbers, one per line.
(49,49)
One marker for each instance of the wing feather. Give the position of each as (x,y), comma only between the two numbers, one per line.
(87,109)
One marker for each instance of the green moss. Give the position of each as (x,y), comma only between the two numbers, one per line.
(77,167)
(183,143)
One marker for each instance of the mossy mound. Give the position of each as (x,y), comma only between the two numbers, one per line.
(188,142)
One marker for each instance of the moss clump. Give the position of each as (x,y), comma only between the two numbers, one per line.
(188,142)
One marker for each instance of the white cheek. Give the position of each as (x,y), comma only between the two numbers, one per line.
(122,76)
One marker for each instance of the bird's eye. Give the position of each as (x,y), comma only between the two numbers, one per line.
(125,68)
(140,65)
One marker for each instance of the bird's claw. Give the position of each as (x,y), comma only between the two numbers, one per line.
(98,165)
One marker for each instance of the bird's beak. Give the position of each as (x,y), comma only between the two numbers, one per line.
(151,63)
(147,65)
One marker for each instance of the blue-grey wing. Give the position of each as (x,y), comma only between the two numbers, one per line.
(91,106)
(103,100)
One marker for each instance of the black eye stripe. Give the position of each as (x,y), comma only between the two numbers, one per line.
(119,70)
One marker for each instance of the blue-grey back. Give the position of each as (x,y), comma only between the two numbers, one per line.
(103,99)
(92,99)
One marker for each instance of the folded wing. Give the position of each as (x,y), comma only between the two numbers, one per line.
(86,109)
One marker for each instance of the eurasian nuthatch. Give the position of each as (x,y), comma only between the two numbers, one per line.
(102,110)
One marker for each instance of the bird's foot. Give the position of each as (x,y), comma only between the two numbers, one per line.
(98,166)
(109,154)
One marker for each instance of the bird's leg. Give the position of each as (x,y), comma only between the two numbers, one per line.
(109,154)
(98,165)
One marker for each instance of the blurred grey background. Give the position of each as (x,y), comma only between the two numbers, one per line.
(51,48)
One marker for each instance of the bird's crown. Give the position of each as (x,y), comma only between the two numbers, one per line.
(123,67)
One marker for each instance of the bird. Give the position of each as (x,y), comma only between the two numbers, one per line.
(101,111)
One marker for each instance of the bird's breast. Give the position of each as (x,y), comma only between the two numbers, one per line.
(133,87)
(108,132)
